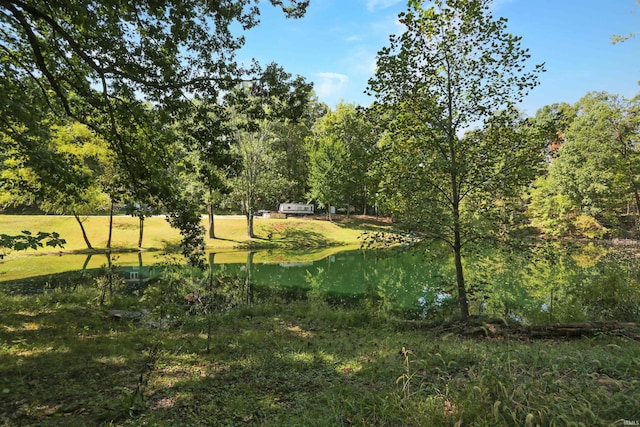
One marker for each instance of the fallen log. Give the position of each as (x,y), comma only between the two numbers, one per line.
(556,330)
(580,329)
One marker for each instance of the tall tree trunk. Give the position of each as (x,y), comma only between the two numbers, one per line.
(141,228)
(110,225)
(365,201)
(329,211)
(636,194)
(84,232)
(457,247)
(212,232)
(250,225)
(462,290)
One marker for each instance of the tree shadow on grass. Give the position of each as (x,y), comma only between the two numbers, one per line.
(64,365)
(289,237)
(364,222)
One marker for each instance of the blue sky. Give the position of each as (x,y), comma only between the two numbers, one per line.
(336,43)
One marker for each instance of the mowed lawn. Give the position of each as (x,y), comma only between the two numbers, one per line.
(231,232)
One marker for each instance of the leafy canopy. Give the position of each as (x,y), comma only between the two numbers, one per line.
(453,70)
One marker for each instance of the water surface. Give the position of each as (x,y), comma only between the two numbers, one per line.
(552,284)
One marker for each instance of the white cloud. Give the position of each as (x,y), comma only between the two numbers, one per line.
(387,26)
(373,5)
(361,61)
(497,4)
(330,85)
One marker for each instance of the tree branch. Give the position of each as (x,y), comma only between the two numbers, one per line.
(40,62)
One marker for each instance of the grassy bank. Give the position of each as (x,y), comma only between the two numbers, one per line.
(65,361)
(158,235)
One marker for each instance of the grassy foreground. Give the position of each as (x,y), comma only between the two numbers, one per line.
(65,361)
(231,232)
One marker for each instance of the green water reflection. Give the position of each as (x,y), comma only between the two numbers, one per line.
(552,284)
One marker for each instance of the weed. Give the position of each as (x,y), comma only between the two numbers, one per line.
(406,376)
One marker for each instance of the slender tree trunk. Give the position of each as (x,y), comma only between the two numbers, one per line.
(212,256)
(636,194)
(212,231)
(457,244)
(329,211)
(365,201)
(84,232)
(141,228)
(462,290)
(109,283)
(450,133)
(457,249)
(250,225)
(110,225)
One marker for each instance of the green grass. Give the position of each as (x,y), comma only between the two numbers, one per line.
(292,240)
(158,235)
(63,361)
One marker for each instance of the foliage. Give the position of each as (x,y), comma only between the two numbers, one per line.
(341,151)
(587,226)
(593,169)
(290,142)
(103,63)
(328,173)
(27,240)
(455,67)
(255,109)
(598,163)
(552,122)
(549,210)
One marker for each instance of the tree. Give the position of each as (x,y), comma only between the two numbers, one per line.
(258,179)
(553,121)
(598,168)
(328,173)
(255,109)
(102,61)
(88,156)
(85,159)
(341,147)
(455,67)
(214,161)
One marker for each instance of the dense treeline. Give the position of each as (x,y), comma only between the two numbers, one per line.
(586,183)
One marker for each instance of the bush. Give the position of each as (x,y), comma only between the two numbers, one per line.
(587,226)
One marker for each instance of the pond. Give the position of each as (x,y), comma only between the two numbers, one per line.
(554,283)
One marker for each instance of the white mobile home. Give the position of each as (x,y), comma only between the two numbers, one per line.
(295,209)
